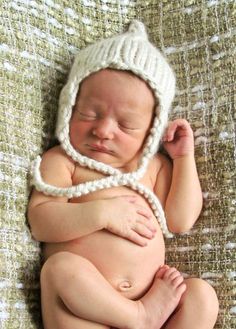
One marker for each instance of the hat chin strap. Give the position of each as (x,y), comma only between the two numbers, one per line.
(119,179)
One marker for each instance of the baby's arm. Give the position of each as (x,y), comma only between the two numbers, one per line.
(55,219)
(184,199)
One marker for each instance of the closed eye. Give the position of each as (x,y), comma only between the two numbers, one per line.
(127,126)
(87,115)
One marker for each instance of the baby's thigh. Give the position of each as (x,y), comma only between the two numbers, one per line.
(201,296)
(59,266)
(55,276)
(56,315)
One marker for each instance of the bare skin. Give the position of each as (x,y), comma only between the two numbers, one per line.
(151,311)
(104,252)
(83,298)
(163,297)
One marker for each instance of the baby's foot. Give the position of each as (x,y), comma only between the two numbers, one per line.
(162,298)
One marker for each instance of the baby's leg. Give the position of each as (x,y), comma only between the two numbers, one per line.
(55,313)
(73,289)
(163,297)
(198,307)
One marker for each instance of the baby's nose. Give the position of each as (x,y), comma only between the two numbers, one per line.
(105,128)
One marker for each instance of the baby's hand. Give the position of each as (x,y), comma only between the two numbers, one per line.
(178,139)
(126,218)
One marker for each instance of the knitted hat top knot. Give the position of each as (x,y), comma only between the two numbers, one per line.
(129,51)
(139,28)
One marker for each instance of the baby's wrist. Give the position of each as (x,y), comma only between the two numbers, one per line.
(98,214)
(101,212)
(184,157)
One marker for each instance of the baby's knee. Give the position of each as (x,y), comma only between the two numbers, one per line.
(59,267)
(54,267)
(204,295)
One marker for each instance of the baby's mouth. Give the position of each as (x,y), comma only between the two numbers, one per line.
(99,148)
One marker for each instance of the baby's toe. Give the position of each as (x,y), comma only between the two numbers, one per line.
(177,281)
(160,273)
(171,273)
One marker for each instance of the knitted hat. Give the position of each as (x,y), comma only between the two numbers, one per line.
(130,51)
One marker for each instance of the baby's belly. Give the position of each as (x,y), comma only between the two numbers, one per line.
(128,267)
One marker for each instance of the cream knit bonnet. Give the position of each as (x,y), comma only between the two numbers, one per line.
(130,51)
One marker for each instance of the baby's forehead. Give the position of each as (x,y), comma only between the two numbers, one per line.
(106,77)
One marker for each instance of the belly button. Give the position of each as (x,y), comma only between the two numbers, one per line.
(124,285)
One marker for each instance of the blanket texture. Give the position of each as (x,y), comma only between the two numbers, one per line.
(38,40)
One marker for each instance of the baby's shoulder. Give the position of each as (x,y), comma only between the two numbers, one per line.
(159,162)
(56,152)
(160,165)
(57,157)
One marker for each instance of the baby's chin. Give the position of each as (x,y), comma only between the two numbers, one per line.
(111,159)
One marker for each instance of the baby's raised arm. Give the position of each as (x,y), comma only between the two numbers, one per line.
(55,219)
(183,201)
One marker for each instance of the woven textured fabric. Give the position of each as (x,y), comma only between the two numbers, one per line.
(38,40)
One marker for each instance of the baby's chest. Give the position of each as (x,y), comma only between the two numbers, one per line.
(83,175)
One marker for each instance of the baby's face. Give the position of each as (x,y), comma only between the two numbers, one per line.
(111,118)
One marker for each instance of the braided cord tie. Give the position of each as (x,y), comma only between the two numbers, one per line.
(129,179)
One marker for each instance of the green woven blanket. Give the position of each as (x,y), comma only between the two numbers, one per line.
(38,40)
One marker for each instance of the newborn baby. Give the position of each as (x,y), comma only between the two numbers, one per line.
(103,196)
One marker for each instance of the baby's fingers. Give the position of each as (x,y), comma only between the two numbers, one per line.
(148,224)
(145,212)
(140,231)
(144,231)
(137,238)
(170,132)
(181,127)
